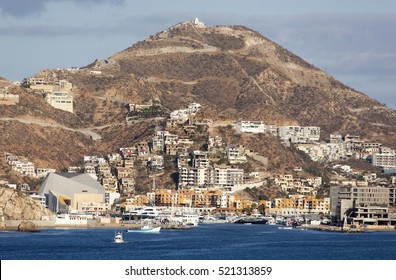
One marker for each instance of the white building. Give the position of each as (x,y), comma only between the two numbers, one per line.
(156,162)
(326,152)
(198,23)
(42,172)
(62,100)
(60,96)
(236,155)
(299,134)
(158,141)
(385,160)
(200,159)
(250,126)
(221,177)
(215,141)
(39,198)
(182,115)
(26,168)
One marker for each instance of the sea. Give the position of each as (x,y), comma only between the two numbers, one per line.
(204,242)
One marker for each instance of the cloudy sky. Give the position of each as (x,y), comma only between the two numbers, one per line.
(353,40)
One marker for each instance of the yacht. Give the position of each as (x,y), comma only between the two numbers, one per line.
(252,219)
(142,213)
(185,218)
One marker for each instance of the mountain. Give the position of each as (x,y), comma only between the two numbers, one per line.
(236,73)
(232,71)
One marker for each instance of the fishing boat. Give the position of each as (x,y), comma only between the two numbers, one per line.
(145,229)
(118,237)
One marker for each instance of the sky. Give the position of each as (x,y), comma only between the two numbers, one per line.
(352,40)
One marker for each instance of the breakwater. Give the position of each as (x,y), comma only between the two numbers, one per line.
(346,229)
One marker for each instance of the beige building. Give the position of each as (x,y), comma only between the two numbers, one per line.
(61,96)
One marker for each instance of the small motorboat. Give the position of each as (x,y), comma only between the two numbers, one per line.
(118,238)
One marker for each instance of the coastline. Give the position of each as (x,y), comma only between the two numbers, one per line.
(13,226)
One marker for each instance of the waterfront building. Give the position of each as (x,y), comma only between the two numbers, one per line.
(63,191)
(345,198)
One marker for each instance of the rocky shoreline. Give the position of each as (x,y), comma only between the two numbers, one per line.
(346,229)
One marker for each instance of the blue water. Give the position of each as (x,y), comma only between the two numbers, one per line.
(205,242)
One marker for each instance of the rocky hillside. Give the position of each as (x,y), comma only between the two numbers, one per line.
(16,206)
(234,72)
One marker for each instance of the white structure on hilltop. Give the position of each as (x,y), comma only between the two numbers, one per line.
(198,23)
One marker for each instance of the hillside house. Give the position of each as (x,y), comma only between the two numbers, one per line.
(124,172)
(236,154)
(42,172)
(200,159)
(26,168)
(110,184)
(250,127)
(156,162)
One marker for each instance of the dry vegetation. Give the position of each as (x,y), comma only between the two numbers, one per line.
(244,76)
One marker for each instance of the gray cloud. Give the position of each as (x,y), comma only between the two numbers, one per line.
(21,8)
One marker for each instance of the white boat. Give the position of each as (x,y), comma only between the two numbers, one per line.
(146,229)
(118,238)
(272,222)
(285,227)
(185,218)
(143,213)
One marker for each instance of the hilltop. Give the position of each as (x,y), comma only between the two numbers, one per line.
(236,73)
